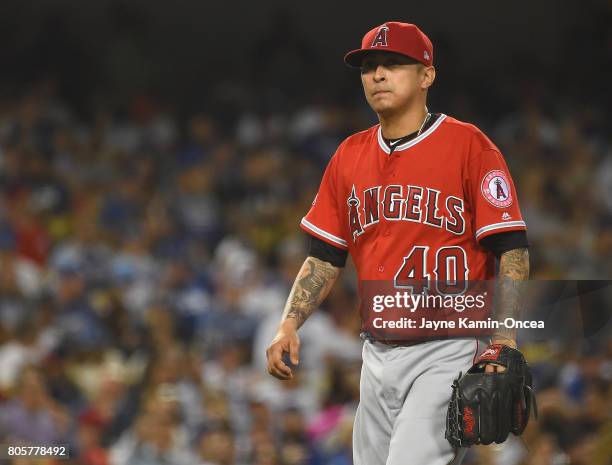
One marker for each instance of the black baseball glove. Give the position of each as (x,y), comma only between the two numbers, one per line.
(486,407)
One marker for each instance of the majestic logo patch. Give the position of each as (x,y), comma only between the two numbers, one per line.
(496,189)
(380,40)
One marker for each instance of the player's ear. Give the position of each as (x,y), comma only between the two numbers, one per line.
(428,76)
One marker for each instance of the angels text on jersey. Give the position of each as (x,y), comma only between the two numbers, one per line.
(397,202)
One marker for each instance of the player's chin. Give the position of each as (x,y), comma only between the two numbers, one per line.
(377,100)
(383,107)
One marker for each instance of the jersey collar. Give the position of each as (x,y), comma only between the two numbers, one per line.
(385,148)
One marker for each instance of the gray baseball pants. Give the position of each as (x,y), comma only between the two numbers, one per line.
(401,418)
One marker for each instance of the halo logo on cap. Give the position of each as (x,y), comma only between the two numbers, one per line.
(402,38)
(380,39)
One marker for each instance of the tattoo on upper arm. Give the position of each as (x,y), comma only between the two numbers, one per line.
(511,287)
(311,286)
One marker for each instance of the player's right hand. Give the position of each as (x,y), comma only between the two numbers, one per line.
(286,341)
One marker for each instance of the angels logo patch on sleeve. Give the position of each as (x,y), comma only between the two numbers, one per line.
(496,189)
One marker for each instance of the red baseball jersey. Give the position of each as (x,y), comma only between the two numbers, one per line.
(419,212)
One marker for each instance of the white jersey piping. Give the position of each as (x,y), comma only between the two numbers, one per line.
(325,234)
(410,143)
(491,227)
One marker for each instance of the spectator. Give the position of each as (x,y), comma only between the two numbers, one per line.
(32,417)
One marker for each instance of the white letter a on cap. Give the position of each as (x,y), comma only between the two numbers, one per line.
(381,37)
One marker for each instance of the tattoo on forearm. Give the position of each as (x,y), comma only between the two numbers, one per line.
(311,286)
(511,288)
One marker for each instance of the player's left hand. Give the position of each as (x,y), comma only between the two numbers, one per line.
(494,368)
(494,398)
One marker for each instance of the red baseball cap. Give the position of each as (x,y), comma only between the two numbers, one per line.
(403,38)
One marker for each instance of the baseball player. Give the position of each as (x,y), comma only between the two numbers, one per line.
(422,198)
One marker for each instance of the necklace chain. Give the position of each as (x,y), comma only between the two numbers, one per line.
(427,116)
(424,123)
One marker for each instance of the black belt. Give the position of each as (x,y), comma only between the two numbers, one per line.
(402,343)
(395,342)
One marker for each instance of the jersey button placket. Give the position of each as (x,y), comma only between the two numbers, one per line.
(391,177)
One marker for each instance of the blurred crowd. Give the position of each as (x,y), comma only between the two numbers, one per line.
(145,257)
